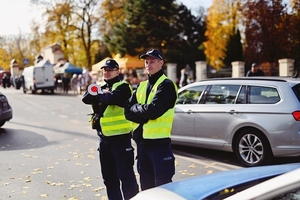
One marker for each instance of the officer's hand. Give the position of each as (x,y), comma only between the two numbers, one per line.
(87,98)
(136,108)
(131,116)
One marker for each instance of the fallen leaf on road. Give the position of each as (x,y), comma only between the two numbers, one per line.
(88,178)
(192,166)
(98,189)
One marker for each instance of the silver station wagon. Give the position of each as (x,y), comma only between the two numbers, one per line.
(257,118)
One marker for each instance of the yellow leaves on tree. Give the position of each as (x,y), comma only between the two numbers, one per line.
(222,20)
(59,26)
(111,12)
(4,61)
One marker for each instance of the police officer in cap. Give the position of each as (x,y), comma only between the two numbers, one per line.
(151,108)
(115,149)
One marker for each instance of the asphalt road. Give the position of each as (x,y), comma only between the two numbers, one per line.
(48,150)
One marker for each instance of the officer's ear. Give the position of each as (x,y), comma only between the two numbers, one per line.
(161,62)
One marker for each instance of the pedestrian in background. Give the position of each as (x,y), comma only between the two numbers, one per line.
(151,108)
(80,85)
(255,71)
(115,149)
(5,81)
(74,83)
(66,83)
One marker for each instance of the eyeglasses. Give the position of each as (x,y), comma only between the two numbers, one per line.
(110,70)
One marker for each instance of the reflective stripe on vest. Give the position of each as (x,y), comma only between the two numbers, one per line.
(113,121)
(162,126)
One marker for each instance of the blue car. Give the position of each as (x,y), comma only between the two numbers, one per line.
(222,185)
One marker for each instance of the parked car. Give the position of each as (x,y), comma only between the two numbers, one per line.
(222,185)
(5,110)
(257,118)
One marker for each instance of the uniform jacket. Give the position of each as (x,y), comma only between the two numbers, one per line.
(164,99)
(116,97)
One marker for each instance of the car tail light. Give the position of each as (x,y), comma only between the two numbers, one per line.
(296,115)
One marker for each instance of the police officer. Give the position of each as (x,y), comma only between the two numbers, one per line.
(115,149)
(151,108)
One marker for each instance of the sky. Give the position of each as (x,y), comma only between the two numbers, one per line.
(16,15)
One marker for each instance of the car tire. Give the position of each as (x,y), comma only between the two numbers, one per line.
(252,148)
(2,123)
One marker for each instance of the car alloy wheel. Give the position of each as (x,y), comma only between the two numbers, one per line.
(252,149)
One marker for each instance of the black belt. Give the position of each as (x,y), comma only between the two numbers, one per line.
(100,134)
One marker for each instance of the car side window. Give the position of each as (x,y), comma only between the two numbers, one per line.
(241,97)
(222,94)
(191,95)
(263,95)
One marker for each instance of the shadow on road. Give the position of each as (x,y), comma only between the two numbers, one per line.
(221,156)
(12,139)
(196,152)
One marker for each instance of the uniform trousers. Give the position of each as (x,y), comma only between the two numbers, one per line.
(116,160)
(156,165)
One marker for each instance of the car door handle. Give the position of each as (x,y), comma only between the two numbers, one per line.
(232,112)
(189,111)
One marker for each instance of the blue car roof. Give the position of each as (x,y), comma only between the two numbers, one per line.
(203,186)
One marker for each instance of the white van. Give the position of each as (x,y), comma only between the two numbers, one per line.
(39,77)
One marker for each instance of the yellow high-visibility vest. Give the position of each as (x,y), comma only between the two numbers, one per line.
(162,126)
(113,121)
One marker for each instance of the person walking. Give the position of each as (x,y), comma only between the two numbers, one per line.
(255,71)
(5,81)
(66,83)
(74,83)
(115,149)
(80,84)
(151,108)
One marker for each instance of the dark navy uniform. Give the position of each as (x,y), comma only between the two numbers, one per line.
(115,150)
(155,157)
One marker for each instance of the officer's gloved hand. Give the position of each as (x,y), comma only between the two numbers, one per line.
(136,108)
(87,98)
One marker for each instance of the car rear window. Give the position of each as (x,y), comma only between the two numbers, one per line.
(263,95)
(296,90)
